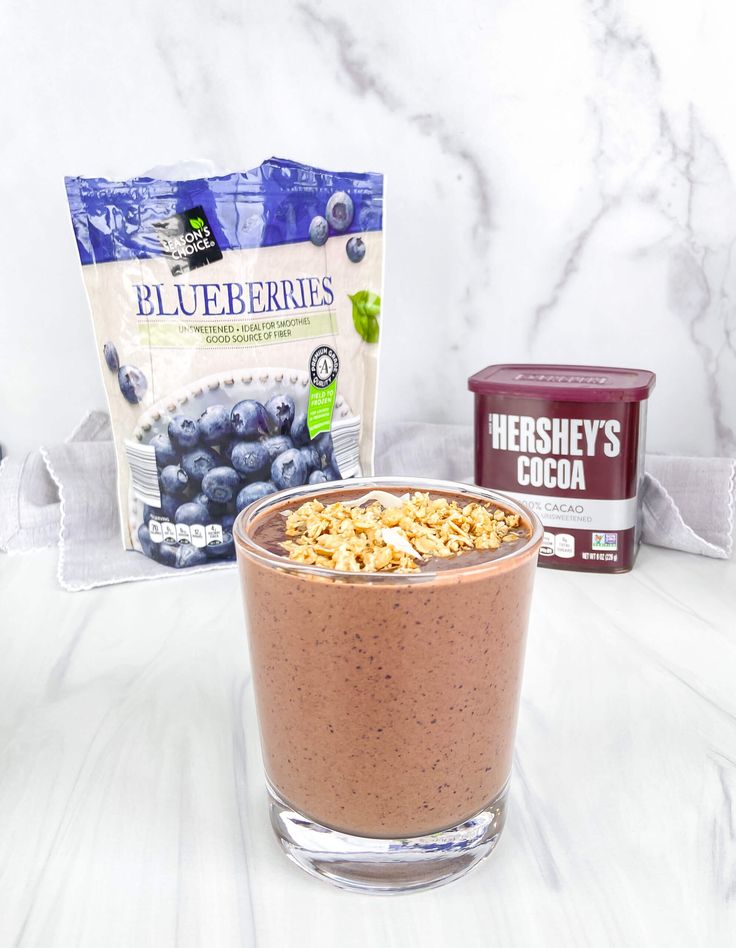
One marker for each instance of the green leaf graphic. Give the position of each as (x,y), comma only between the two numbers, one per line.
(196,222)
(366,310)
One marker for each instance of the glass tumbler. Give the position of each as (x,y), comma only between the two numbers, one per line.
(387,702)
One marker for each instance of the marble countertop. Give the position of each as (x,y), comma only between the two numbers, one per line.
(132,808)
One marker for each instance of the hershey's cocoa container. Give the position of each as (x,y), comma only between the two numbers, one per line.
(568,441)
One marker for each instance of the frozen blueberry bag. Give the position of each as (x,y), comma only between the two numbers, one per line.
(237,319)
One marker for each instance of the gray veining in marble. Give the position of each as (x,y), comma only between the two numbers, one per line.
(560,181)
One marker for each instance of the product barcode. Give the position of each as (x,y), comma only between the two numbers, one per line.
(143,472)
(346,441)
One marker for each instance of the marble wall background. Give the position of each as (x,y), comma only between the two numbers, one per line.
(560,180)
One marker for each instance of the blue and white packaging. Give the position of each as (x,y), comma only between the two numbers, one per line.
(238,323)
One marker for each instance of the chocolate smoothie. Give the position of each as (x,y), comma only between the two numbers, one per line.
(387,702)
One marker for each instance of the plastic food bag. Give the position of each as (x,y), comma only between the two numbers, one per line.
(238,320)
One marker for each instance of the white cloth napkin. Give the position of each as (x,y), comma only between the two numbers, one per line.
(65,494)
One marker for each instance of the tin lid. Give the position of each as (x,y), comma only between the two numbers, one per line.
(565,383)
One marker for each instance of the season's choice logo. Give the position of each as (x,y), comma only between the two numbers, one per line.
(187,240)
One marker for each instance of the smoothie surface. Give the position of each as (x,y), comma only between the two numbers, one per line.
(348,530)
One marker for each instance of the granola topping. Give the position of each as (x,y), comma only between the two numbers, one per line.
(370,536)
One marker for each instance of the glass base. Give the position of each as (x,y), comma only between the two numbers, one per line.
(387,866)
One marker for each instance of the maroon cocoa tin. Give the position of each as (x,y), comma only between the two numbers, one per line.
(568,441)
